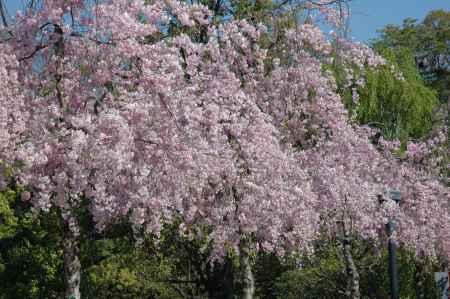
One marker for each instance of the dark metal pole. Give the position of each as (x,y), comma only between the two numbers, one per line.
(393,277)
(393,271)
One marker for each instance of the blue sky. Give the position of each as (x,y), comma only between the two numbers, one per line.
(366,15)
(369,15)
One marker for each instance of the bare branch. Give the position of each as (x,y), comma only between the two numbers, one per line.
(147,141)
(38,48)
(3,13)
(328,3)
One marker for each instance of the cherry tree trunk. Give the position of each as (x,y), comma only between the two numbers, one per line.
(72,266)
(351,271)
(352,275)
(248,281)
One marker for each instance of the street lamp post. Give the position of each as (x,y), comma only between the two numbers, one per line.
(393,272)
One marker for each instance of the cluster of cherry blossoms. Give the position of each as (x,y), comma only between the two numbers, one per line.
(108,106)
(13,112)
(423,217)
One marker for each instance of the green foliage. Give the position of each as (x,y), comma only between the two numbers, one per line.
(8,221)
(404,108)
(322,276)
(268,269)
(30,261)
(257,11)
(375,280)
(117,268)
(318,276)
(118,264)
(400,108)
(32,258)
(429,43)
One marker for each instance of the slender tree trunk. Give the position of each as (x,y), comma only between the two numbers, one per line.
(69,223)
(448,121)
(248,281)
(72,266)
(351,271)
(419,276)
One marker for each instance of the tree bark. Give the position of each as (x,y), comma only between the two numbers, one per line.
(69,223)
(248,281)
(72,266)
(352,275)
(448,121)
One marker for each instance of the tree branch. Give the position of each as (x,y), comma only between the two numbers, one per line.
(38,48)
(3,13)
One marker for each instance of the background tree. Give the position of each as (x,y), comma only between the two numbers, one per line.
(393,98)
(428,41)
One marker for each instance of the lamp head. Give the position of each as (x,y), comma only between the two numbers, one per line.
(395,195)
